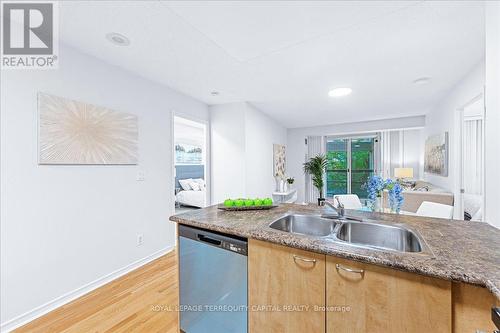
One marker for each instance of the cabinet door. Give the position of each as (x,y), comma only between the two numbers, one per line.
(369,298)
(472,308)
(286,289)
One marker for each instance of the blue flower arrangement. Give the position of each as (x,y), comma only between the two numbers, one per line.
(377,184)
(396,198)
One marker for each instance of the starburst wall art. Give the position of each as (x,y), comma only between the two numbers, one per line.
(72,132)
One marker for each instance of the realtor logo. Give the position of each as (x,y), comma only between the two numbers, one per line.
(29,32)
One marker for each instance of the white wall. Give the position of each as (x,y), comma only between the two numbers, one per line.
(242,151)
(445,117)
(296,149)
(227,135)
(65,226)
(261,133)
(492,131)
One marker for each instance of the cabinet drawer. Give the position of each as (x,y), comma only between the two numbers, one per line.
(369,298)
(286,289)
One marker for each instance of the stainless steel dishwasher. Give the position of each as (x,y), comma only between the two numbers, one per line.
(213,282)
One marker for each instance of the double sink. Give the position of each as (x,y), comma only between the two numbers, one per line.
(364,234)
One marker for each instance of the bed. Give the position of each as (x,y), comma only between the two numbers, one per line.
(472,207)
(192,198)
(185,194)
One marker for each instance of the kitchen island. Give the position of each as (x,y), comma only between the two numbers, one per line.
(450,285)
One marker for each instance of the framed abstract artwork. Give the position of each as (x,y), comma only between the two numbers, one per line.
(436,154)
(72,132)
(279,158)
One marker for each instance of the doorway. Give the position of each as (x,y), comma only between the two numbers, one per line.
(190,164)
(472,160)
(351,161)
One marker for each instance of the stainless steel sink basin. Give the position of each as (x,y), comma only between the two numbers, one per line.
(378,235)
(312,225)
(363,234)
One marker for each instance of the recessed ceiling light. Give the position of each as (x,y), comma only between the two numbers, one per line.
(339,92)
(214,93)
(422,80)
(118,39)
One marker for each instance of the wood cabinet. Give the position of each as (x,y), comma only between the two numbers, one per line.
(295,291)
(368,298)
(286,289)
(472,308)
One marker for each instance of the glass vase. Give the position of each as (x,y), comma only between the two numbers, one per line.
(377,205)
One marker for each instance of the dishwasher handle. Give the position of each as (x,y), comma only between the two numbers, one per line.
(203,238)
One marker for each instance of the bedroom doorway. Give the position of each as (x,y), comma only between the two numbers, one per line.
(472,160)
(190,164)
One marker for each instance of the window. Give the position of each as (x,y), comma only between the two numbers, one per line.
(350,164)
(189,137)
(188,154)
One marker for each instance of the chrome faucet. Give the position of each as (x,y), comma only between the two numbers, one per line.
(339,209)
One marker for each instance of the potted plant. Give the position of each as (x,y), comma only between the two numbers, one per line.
(290,181)
(316,168)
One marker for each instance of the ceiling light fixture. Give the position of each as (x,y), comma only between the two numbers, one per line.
(340,92)
(214,93)
(422,80)
(118,39)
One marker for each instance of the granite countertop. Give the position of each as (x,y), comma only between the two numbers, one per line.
(453,250)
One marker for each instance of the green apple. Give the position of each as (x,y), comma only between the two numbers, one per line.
(229,203)
(268,202)
(249,202)
(257,202)
(239,203)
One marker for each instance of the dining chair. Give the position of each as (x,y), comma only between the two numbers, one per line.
(433,209)
(350,201)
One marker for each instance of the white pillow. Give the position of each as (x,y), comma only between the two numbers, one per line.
(201,182)
(185,183)
(195,186)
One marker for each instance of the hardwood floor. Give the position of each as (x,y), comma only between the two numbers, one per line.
(144,300)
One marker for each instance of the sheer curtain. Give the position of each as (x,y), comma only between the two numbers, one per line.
(391,152)
(315,146)
(473,155)
(385,154)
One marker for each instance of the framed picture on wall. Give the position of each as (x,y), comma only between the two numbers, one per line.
(77,133)
(279,158)
(436,154)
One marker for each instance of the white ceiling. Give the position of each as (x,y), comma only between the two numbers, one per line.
(284,57)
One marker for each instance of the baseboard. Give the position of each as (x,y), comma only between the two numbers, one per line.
(72,295)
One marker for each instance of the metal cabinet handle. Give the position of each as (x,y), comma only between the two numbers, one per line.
(350,270)
(295,258)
